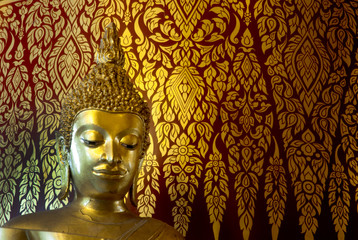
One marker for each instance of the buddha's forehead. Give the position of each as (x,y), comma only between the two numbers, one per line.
(111,121)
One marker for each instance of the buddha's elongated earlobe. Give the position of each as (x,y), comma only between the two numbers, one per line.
(133,189)
(63,157)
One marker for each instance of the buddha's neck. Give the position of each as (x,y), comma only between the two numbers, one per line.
(101,206)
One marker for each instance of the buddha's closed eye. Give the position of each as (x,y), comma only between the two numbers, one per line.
(129,146)
(130,141)
(91,143)
(92,138)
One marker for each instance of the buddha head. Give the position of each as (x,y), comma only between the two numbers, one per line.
(104,128)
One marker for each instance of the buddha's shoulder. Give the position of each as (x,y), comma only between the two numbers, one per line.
(157,230)
(60,221)
(38,220)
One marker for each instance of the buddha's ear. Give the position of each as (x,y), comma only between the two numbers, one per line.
(63,156)
(133,189)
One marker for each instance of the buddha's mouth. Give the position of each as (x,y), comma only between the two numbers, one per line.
(106,171)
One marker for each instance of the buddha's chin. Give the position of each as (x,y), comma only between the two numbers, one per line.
(109,185)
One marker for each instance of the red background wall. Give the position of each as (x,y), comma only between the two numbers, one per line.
(254,131)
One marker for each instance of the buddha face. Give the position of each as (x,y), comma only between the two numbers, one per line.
(105,152)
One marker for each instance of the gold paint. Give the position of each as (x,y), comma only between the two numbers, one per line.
(308,165)
(72,8)
(309,66)
(248,110)
(186,90)
(247,15)
(338,178)
(69,61)
(148,179)
(216,189)
(182,103)
(182,214)
(30,185)
(187,14)
(308,9)
(302,67)
(275,192)
(16,80)
(6,2)
(16,120)
(182,168)
(8,177)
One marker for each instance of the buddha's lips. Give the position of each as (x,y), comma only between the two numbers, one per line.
(105,169)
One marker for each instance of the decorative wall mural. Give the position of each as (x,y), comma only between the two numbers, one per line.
(254,110)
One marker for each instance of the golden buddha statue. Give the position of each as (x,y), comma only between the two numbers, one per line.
(103,138)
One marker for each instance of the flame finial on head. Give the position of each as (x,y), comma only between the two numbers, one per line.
(110,50)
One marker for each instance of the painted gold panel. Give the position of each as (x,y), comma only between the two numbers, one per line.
(254,119)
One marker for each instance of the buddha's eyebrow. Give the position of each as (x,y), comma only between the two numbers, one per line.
(89,126)
(129,131)
(90,132)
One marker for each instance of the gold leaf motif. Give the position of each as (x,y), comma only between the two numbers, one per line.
(16,81)
(47,155)
(10,172)
(181,213)
(248,109)
(72,9)
(307,65)
(148,176)
(348,143)
(146,202)
(339,198)
(30,185)
(216,189)
(185,89)
(182,167)
(186,15)
(136,8)
(70,59)
(308,9)
(275,192)
(165,130)
(272,27)
(308,167)
(149,82)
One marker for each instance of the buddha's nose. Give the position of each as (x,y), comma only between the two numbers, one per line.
(114,155)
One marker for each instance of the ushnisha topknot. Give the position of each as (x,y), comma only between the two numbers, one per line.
(107,87)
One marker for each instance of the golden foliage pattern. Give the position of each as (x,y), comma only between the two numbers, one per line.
(275,191)
(253,108)
(148,182)
(216,188)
